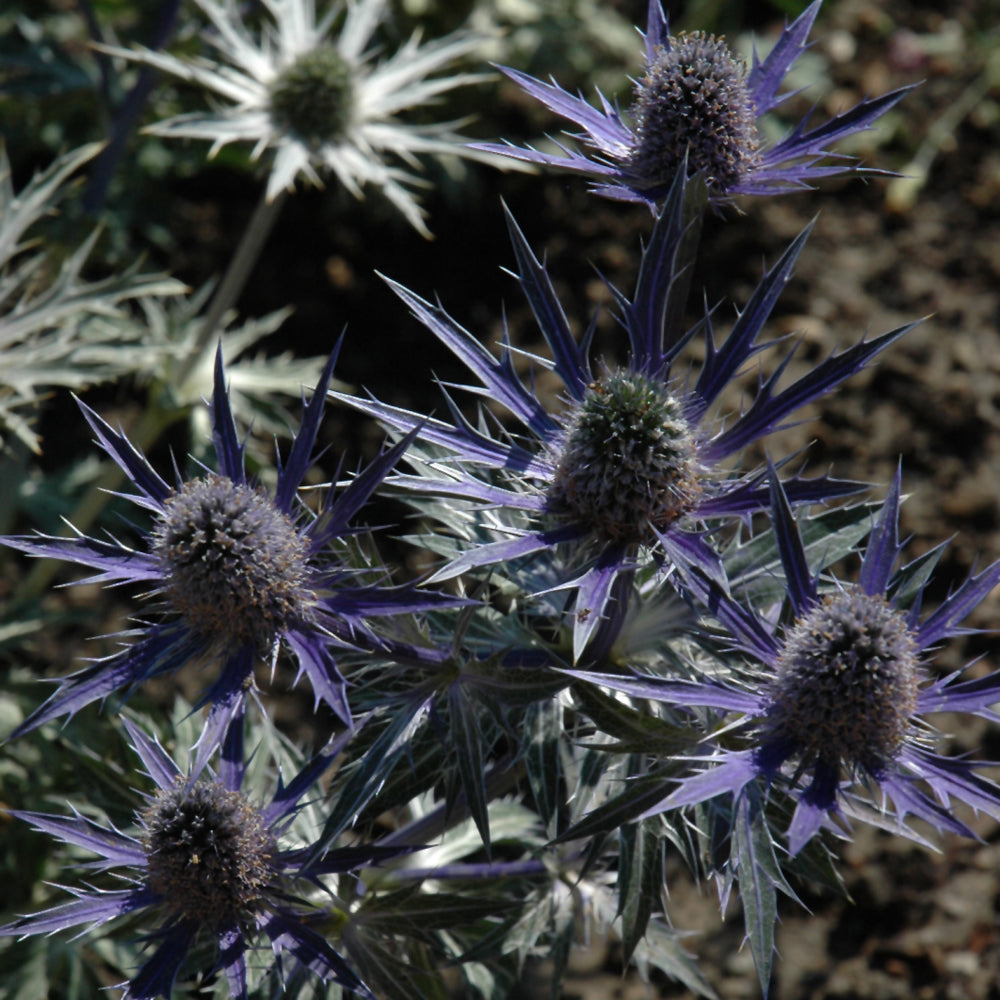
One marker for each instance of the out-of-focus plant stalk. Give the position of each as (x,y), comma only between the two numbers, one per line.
(902,191)
(265,215)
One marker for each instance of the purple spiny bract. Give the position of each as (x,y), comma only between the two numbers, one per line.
(697,101)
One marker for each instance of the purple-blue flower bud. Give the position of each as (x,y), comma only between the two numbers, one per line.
(846,682)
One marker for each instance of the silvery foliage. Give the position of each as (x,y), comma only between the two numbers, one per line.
(58,328)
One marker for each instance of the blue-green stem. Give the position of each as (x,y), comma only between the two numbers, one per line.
(241,266)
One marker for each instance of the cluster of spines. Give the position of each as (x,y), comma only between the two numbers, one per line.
(693,110)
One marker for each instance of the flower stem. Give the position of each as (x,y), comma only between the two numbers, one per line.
(695,202)
(265,215)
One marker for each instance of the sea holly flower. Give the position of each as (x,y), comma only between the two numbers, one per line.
(319,93)
(836,709)
(208,864)
(698,103)
(238,573)
(631,466)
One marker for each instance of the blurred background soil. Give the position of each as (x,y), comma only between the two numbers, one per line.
(921,924)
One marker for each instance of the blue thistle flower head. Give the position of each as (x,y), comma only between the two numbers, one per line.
(845,683)
(693,110)
(235,568)
(697,107)
(208,864)
(238,573)
(630,467)
(627,459)
(838,705)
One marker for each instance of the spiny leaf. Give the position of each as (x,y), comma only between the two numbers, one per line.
(660,946)
(467,741)
(758,872)
(543,728)
(912,578)
(406,911)
(640,880)
(640,730)
(396,970)
(640,795)
(374,768)
(754,567)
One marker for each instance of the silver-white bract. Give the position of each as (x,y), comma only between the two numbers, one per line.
(247,63)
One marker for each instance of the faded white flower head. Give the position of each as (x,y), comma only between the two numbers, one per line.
(318,94)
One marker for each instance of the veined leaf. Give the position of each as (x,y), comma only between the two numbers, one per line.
(543,729)
(758,872)
(640,795)
(754,568)
(374,768)
(640,880)
(640,731)
(467,742)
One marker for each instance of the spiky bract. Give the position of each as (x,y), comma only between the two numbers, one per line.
(238,573)
(696,101)
(630,469)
